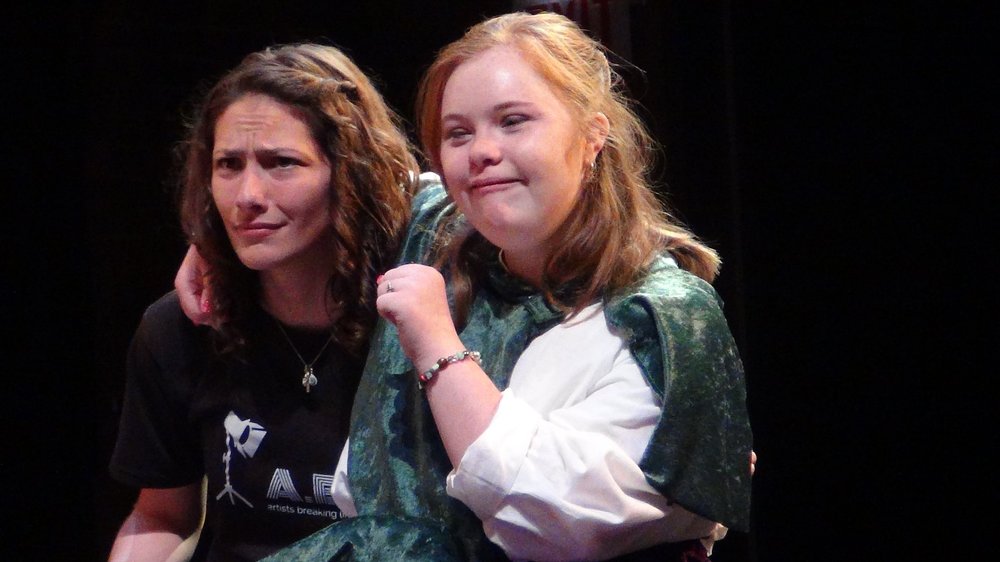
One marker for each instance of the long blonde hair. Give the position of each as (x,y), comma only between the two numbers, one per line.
(618,226)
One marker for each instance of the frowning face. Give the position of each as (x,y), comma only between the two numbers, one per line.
(271,184)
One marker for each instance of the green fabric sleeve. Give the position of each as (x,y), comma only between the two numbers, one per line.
(699,454)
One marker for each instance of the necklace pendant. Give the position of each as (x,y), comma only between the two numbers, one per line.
(309,380)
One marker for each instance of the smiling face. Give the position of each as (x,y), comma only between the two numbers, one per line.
(512,155)
(271,184)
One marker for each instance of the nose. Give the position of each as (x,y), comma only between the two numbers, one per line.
(484,151)
(252,193)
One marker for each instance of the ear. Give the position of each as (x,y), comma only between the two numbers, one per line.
(597,134)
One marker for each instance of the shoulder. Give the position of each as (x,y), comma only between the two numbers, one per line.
(670,317)
(431,206)
(166,316)
(668,289)
(165,308)
(167,333)
(430,190)
(431,199)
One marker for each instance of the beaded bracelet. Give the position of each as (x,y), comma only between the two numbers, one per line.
(443,362)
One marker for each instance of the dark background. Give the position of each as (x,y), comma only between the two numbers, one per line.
(840,158)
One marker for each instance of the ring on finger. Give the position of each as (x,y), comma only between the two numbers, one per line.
(388,287)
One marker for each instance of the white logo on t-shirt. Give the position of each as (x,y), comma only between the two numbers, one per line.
(245,436)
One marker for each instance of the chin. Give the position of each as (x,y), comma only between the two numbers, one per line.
(507,233)
(257,260)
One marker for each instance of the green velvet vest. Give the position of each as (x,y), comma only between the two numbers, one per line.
(673,323)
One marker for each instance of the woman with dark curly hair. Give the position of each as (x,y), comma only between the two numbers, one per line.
(295,187)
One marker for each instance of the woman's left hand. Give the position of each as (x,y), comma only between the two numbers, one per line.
(413,298)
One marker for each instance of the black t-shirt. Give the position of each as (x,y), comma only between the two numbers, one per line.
(268,448)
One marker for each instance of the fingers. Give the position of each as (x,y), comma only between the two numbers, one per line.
(413,279)
(192,288)
(753,461)
(383,285)
(413,297)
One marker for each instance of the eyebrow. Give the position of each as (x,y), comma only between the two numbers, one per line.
(270,152)
(495,109)
(511,104)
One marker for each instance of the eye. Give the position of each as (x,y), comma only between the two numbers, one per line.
(513,120)
(285,162)
(456,136)
(456,133)
(228,163)
(280,163)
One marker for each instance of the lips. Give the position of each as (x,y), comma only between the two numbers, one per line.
(491,184)
(257,229)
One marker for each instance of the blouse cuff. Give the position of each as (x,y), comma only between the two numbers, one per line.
(490,465)
(341,488)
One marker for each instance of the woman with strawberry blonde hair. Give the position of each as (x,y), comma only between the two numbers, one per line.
(553,378)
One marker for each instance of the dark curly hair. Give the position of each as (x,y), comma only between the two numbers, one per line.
(373,175)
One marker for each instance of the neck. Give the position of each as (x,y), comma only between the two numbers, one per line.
(528,265)
(298,298)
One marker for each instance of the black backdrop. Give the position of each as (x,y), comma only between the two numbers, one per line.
(837,157)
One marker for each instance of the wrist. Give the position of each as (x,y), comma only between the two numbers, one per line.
(426,376)
(428,355)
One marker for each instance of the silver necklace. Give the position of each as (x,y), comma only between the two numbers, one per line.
(309,379)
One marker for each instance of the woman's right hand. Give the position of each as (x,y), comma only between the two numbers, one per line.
(193,290)
(413,298)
